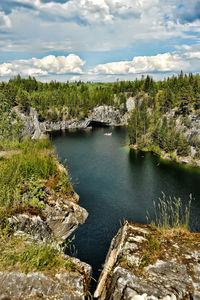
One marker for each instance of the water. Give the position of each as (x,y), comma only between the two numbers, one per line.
(117,184)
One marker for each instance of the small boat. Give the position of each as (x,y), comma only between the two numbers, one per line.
(108,133)
(89,128)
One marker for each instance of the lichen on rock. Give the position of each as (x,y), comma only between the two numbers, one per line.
(150,264)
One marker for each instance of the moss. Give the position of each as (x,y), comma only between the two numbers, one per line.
(176,243)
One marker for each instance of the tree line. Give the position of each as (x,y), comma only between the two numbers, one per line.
(151,121)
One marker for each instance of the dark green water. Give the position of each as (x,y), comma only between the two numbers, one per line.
(115,183)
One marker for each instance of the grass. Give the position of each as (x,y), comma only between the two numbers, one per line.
(171,224)
(171,213)
(25,177)
(17,253)
(34,162)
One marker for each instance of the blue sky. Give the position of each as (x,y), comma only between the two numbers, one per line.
(98,40)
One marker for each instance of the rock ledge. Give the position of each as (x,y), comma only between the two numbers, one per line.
(144,263)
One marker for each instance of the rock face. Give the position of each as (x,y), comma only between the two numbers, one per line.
(106,115)
(32,125)
(195,126)
(45,285)
(63,217)
(130,104)
(145,263)
(57,220)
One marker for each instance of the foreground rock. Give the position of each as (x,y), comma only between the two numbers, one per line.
(57,221)
(46,285)
(60,216)
(145,263)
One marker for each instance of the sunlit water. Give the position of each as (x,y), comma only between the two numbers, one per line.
(117,184)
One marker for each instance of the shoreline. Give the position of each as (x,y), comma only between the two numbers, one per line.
(184,161)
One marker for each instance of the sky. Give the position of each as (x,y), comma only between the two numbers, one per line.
(98,40)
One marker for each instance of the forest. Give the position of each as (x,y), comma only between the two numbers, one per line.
(152,125)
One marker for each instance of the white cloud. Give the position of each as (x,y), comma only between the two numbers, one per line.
(144,64)
(191,52)
(86,26)
(75,78)
(5,69)
(92,25)
(60,65)
(45,66)
(92,11)
(5,22)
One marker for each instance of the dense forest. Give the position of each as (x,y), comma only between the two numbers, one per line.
(153,122)
(162,116)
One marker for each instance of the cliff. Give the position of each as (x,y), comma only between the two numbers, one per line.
(32,262)
(146,263)
(109,116)
(105,115)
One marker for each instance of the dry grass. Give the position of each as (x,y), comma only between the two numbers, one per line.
(171,214)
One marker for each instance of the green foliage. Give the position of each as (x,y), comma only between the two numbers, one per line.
(150,129)
(23,171)
(64,183)
(23,100)
(70,266)
(183,147)
(32,192)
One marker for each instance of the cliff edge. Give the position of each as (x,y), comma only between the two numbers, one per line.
(146,263)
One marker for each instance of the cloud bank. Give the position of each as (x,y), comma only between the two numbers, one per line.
(157,34)
(71,64)
(186,58)
(144,64)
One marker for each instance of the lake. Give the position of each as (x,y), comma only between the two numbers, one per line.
(116,184)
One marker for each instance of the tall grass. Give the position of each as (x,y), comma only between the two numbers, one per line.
(35,159)
(171,212)
(18,253)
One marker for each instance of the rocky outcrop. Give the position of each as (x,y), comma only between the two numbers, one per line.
(105,115)
(145,263)
(59,217)
(194,129)
(46,285)
(64,215)
(32,126)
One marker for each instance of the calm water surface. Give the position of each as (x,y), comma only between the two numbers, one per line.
(116,184)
